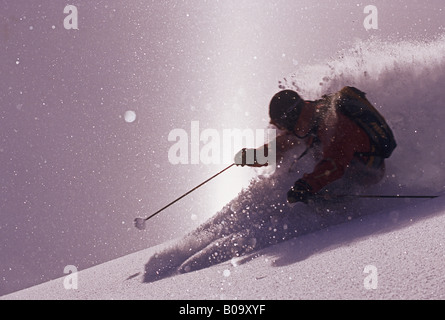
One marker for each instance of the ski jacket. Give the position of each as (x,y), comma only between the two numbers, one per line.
(341,141)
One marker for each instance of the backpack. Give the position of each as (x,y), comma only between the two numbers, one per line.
(353,103)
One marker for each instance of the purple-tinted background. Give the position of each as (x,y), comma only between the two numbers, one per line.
(74,174)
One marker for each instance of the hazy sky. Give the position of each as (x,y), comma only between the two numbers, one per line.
(74,173)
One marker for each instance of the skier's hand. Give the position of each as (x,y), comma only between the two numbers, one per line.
(241,157)
(248,157)
(300,192)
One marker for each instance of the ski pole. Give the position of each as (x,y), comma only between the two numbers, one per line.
(396,197)
(369,196)
(140,222)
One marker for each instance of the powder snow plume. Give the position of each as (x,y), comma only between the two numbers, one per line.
(405,82)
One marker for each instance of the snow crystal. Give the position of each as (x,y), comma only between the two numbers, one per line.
(235,261)
(187,269)
(130,116)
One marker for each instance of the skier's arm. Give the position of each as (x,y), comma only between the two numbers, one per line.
(283,143)
(338,152)
(326,171)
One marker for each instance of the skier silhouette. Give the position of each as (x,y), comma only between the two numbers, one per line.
(352,136)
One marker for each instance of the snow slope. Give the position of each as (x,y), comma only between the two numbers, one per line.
(406,246)
(317,251)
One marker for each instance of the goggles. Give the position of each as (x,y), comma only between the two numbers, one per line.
(289,117)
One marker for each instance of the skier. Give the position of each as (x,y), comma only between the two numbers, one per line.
(353,139)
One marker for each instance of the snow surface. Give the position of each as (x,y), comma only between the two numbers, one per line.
(258,247)
(407,246)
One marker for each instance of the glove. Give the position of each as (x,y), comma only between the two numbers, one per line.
(300,192)
(244,158)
